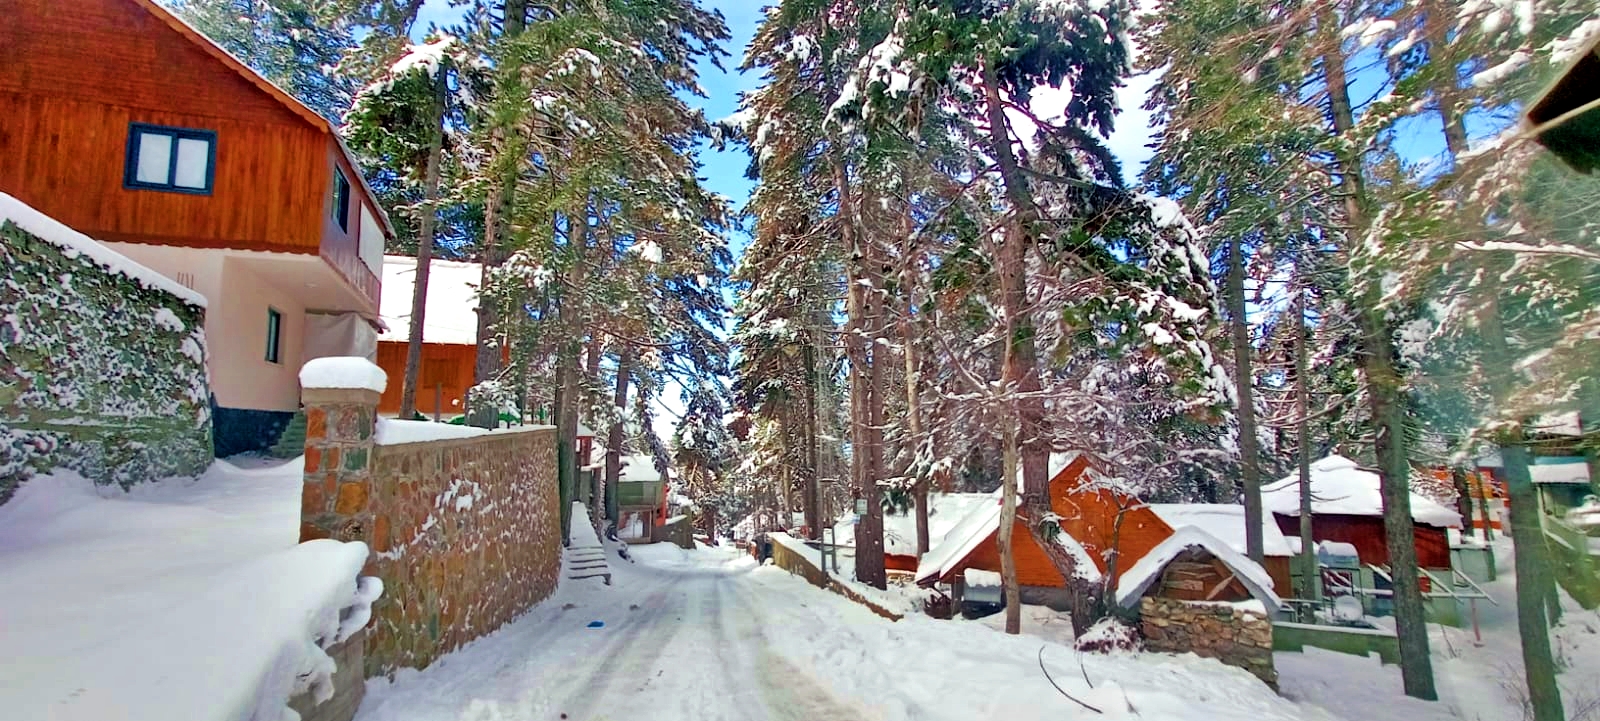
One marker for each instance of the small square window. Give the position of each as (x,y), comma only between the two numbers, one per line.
(341,199)
(178,160)
(274,334)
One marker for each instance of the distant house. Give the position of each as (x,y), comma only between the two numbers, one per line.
(1347,507)
(1090,526)
(641,499)
(945,510)
(449,334)
(1225,523)
(128,125)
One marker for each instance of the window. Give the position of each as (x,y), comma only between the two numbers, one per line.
(341,199)
(274,333)
(177,160)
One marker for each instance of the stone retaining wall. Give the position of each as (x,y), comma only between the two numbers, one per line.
(1214,630)
(465,532)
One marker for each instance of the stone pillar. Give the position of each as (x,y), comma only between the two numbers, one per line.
(335,501)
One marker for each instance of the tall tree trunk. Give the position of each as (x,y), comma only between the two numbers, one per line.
(876,371)
(919,489)
(1458,479)
(1530,555)
(614,435)
(1244,380)
(568,348)
(497,226)
(869,526)
(426,224)
(814,515)
(1008,522)
(1311,583)
(1388,417)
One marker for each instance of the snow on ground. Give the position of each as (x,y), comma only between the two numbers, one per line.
(707,635)
(181,600)
(1476,682)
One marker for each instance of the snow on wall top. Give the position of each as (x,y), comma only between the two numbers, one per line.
(1339,487)
(393,432)
(1225,521)
(451,316)
(1133,584)
(74,243)
(343,372)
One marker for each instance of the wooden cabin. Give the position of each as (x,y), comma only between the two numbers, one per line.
(1089,513)
(1347,507)
(130,126)
(1225,523)
(449,334)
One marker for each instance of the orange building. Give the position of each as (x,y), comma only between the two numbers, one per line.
(449,334)
(131,127)
(1089,514)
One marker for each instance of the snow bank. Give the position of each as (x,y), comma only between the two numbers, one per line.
(177,601)
(1339,487)
(1133,584)
(392,432)
(343,372)
(74,243)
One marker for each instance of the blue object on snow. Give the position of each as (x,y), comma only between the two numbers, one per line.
(597,624)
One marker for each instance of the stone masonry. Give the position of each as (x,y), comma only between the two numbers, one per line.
(1214,630)
(464,532)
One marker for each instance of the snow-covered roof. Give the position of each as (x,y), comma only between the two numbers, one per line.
(976,526)
(639,469)
(1225,521)
(1339,487)
(73,243)
(1133,584)
(451,316)
(945,510)
(1577,472)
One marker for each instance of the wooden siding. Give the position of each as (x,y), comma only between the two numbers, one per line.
(341,247)
(82,72)
(1367,535)
(444,367)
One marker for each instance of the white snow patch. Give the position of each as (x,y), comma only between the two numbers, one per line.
(450,309)
(1338,486)
(393,432)
(182,600)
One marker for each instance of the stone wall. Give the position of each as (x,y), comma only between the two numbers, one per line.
(1214,630)
(348,685)
(464,532)
(102,362)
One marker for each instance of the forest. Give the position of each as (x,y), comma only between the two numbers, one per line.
(1348,240)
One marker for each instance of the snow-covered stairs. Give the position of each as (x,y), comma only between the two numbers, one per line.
(586,556)
(292,441)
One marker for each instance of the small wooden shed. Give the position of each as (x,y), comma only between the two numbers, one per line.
(1192,565)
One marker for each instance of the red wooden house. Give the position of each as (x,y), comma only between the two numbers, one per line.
(449,334)
(129,126)
(1347,507)
(1089,515)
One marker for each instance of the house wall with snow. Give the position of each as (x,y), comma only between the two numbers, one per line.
(463,522)
(102,361)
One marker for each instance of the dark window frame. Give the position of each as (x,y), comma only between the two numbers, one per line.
(341,199)
(274,335)
(130,164)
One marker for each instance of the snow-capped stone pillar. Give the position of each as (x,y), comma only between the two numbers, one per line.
(340,396)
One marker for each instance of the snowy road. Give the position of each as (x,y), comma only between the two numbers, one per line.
(707,636)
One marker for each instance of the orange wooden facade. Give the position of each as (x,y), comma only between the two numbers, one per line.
(446,374)
(1088,515)
(79,73)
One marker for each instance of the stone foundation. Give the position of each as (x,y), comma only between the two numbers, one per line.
(1213,630)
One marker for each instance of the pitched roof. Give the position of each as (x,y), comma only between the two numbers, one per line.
(1133,584)
(270,88)
(1340,487)
(945,511)
(1225,521)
